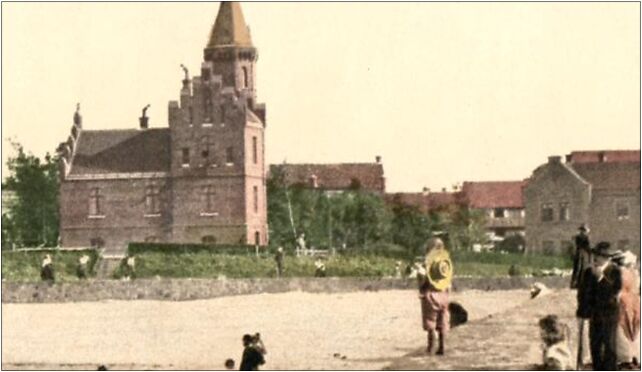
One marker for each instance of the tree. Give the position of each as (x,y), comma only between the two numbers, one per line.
(410,227)
(33,220)
(465,227)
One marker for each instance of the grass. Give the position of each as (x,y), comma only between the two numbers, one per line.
(24,266)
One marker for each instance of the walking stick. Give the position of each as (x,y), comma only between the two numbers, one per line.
(580,346)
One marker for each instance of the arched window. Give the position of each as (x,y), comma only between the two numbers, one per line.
(257,238)
(246,78)
(207,105)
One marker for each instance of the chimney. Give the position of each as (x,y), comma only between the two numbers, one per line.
(554,159)
(144,120)
(425,191)
(602,157)
(443,189)
(378,159)
(569,158)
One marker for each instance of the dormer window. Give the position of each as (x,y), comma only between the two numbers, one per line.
(185,158)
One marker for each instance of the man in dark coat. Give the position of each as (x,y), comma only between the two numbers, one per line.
(582,257)
(598,301)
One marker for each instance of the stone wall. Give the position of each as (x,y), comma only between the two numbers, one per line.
(193,289)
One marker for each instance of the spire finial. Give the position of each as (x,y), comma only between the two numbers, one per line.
(77,116)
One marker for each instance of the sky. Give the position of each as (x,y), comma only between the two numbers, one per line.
(443,92)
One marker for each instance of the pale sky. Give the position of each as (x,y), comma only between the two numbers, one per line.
(444,92)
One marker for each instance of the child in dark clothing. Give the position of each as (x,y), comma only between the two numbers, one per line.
(253,353)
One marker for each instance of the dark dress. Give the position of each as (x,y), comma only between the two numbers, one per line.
(47,273)
(598,301)
(251,360)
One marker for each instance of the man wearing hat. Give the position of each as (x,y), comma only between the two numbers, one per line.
(582,258)
(598,301)
(434,283)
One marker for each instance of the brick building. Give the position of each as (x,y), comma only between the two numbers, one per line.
(600,188)
(202,179)
(333,178)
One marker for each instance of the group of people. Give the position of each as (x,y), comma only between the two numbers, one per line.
(48,274)
(608,294)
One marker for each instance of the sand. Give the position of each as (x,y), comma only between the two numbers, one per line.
(373,330)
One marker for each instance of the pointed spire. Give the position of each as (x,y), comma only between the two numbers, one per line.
(230,28)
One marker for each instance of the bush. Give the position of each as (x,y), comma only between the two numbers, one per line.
(24,266)
(512,244)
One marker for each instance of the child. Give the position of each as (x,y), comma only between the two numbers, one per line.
(434,282)
(555,336)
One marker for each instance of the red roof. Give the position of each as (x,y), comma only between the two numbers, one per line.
(425,201)
(502,194)
(369,176)
(607,156)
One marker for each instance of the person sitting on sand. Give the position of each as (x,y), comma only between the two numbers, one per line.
(434,283)
(555,336)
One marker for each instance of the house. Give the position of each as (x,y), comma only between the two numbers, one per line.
(502,203)
(426,201)
(599,188)
(201,179)
(333,178)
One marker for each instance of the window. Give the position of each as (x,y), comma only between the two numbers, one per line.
(229,155)
(191,115)
(565,213)
(209,201)
(95,202)
(222,113)
(622,210)
(547,212)
(152,200)
(207,105)
(255,155)
(208,239)
(185,157)
(246,82)
(567,247)
(205,148)
(257,238)
(499,213)
(256,199)
(97,242)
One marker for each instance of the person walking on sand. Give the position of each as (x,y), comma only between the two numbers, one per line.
(434,283)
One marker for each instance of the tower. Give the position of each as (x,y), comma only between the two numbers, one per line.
(217,142)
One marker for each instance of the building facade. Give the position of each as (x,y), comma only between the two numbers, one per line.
(599,188)
(202,179)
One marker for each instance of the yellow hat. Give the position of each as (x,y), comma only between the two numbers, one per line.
(439,269)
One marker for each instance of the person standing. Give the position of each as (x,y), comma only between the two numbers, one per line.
(434,282)
(278,257)
(47,270)
(582,257)
(628,332)
(597,294)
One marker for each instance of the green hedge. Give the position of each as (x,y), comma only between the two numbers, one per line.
(24,266)
(172,248)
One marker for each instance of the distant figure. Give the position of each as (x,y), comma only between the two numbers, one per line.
(434,283)
(628,332)
(598,301)
(47,270)
(252,353)
(230,365)
(300,245)
(398,270)
(582,257)
(539,289)
(130,268)
(102,367)
(555,337)
(278,257)
(319,269)
(81,270)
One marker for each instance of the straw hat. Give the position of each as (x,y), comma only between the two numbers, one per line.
(439,269)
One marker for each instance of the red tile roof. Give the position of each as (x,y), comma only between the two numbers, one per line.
(502,194)
(334,176)
(607,156)
(425,201)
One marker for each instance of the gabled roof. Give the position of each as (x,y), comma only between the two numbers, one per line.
(122,151)
(501,194)
(605,156)
(230,28)
(334,176)
(610,175)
